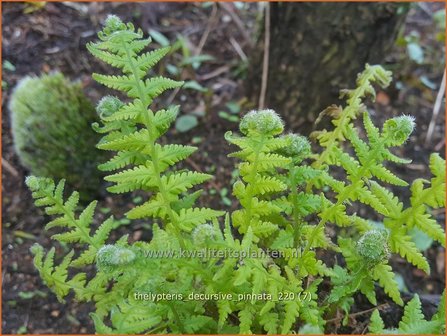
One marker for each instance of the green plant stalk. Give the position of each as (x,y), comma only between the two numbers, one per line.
(251,179)
(149,124)
(297,223)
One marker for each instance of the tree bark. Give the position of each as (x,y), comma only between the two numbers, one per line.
(316,49)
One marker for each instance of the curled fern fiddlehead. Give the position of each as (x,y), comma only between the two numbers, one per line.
(373,246)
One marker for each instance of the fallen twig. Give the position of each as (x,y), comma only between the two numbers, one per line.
(228,8)
(436,109)
(358,313)
(238,49)
(265,63)
(83,9)
(9,167)
(205,35)
(172,96)
(439,145)
(214,73)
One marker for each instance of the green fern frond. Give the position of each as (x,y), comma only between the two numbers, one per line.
(376,325)
(50,196)
(146,161)
(330,140)
(177,183)
(385,276)
(190,218)
(413,321)
(401,243)
(55,277)
(365,172)
(246,317)
(291,312)
(128,319)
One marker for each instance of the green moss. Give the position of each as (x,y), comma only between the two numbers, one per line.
(50,122)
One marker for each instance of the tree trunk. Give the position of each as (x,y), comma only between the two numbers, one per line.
(316,49)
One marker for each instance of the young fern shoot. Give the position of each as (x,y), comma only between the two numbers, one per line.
(132,131)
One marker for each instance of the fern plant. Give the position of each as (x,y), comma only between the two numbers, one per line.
(265,278)
(362,160)
(77,230)
(132,131)
(413,320)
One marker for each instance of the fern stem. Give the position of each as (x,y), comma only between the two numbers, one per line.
(178,321)
(150,126)
(161,326)
(296,219)
(250,180)
(164,195)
